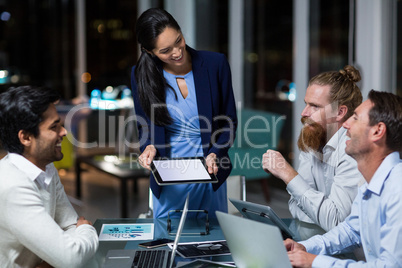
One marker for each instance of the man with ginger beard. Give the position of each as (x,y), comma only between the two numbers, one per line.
(312,136)
(324,186)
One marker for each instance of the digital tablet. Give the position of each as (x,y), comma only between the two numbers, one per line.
(168,171)
(262,213)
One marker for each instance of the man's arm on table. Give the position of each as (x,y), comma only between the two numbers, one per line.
(40,233)
(325,211)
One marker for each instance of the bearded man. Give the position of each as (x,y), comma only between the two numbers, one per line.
(324,186)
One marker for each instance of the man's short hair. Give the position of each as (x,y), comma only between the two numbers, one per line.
(344,90)
(21,108)
(387,108)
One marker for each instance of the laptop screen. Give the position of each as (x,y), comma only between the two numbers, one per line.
(252,243)
(179,230)
(124,258)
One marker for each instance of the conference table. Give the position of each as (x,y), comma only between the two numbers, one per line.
(194,226)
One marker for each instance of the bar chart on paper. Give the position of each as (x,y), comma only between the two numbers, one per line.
(126,232)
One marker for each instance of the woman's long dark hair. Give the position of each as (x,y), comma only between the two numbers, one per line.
(150,81)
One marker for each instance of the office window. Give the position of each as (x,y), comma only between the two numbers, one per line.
(37,44)
(268,51)
(111,42)
(268,61)
(329,35)
(212,25)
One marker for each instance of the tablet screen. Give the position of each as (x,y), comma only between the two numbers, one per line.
(181,170)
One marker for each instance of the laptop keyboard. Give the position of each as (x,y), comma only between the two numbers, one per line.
(149,258)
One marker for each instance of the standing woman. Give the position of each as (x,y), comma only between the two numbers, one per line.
(185,108)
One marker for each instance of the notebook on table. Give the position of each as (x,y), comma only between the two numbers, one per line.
(252,243)
(263,214)
(163,258)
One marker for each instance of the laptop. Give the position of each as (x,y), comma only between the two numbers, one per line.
(163,258)
(252,243)
(263,214)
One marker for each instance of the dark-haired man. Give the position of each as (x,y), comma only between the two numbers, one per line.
(375,224)
(38,225)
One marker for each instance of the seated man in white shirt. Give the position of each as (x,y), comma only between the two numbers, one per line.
(375,224)
(38,225)
(324,186)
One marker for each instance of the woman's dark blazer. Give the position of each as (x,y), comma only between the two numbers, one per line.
(215,100)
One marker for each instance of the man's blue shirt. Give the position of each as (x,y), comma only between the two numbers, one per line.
(375,223)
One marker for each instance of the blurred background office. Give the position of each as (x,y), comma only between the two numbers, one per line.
(273,47)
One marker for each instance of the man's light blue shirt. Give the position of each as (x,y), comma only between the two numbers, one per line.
(374,223)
